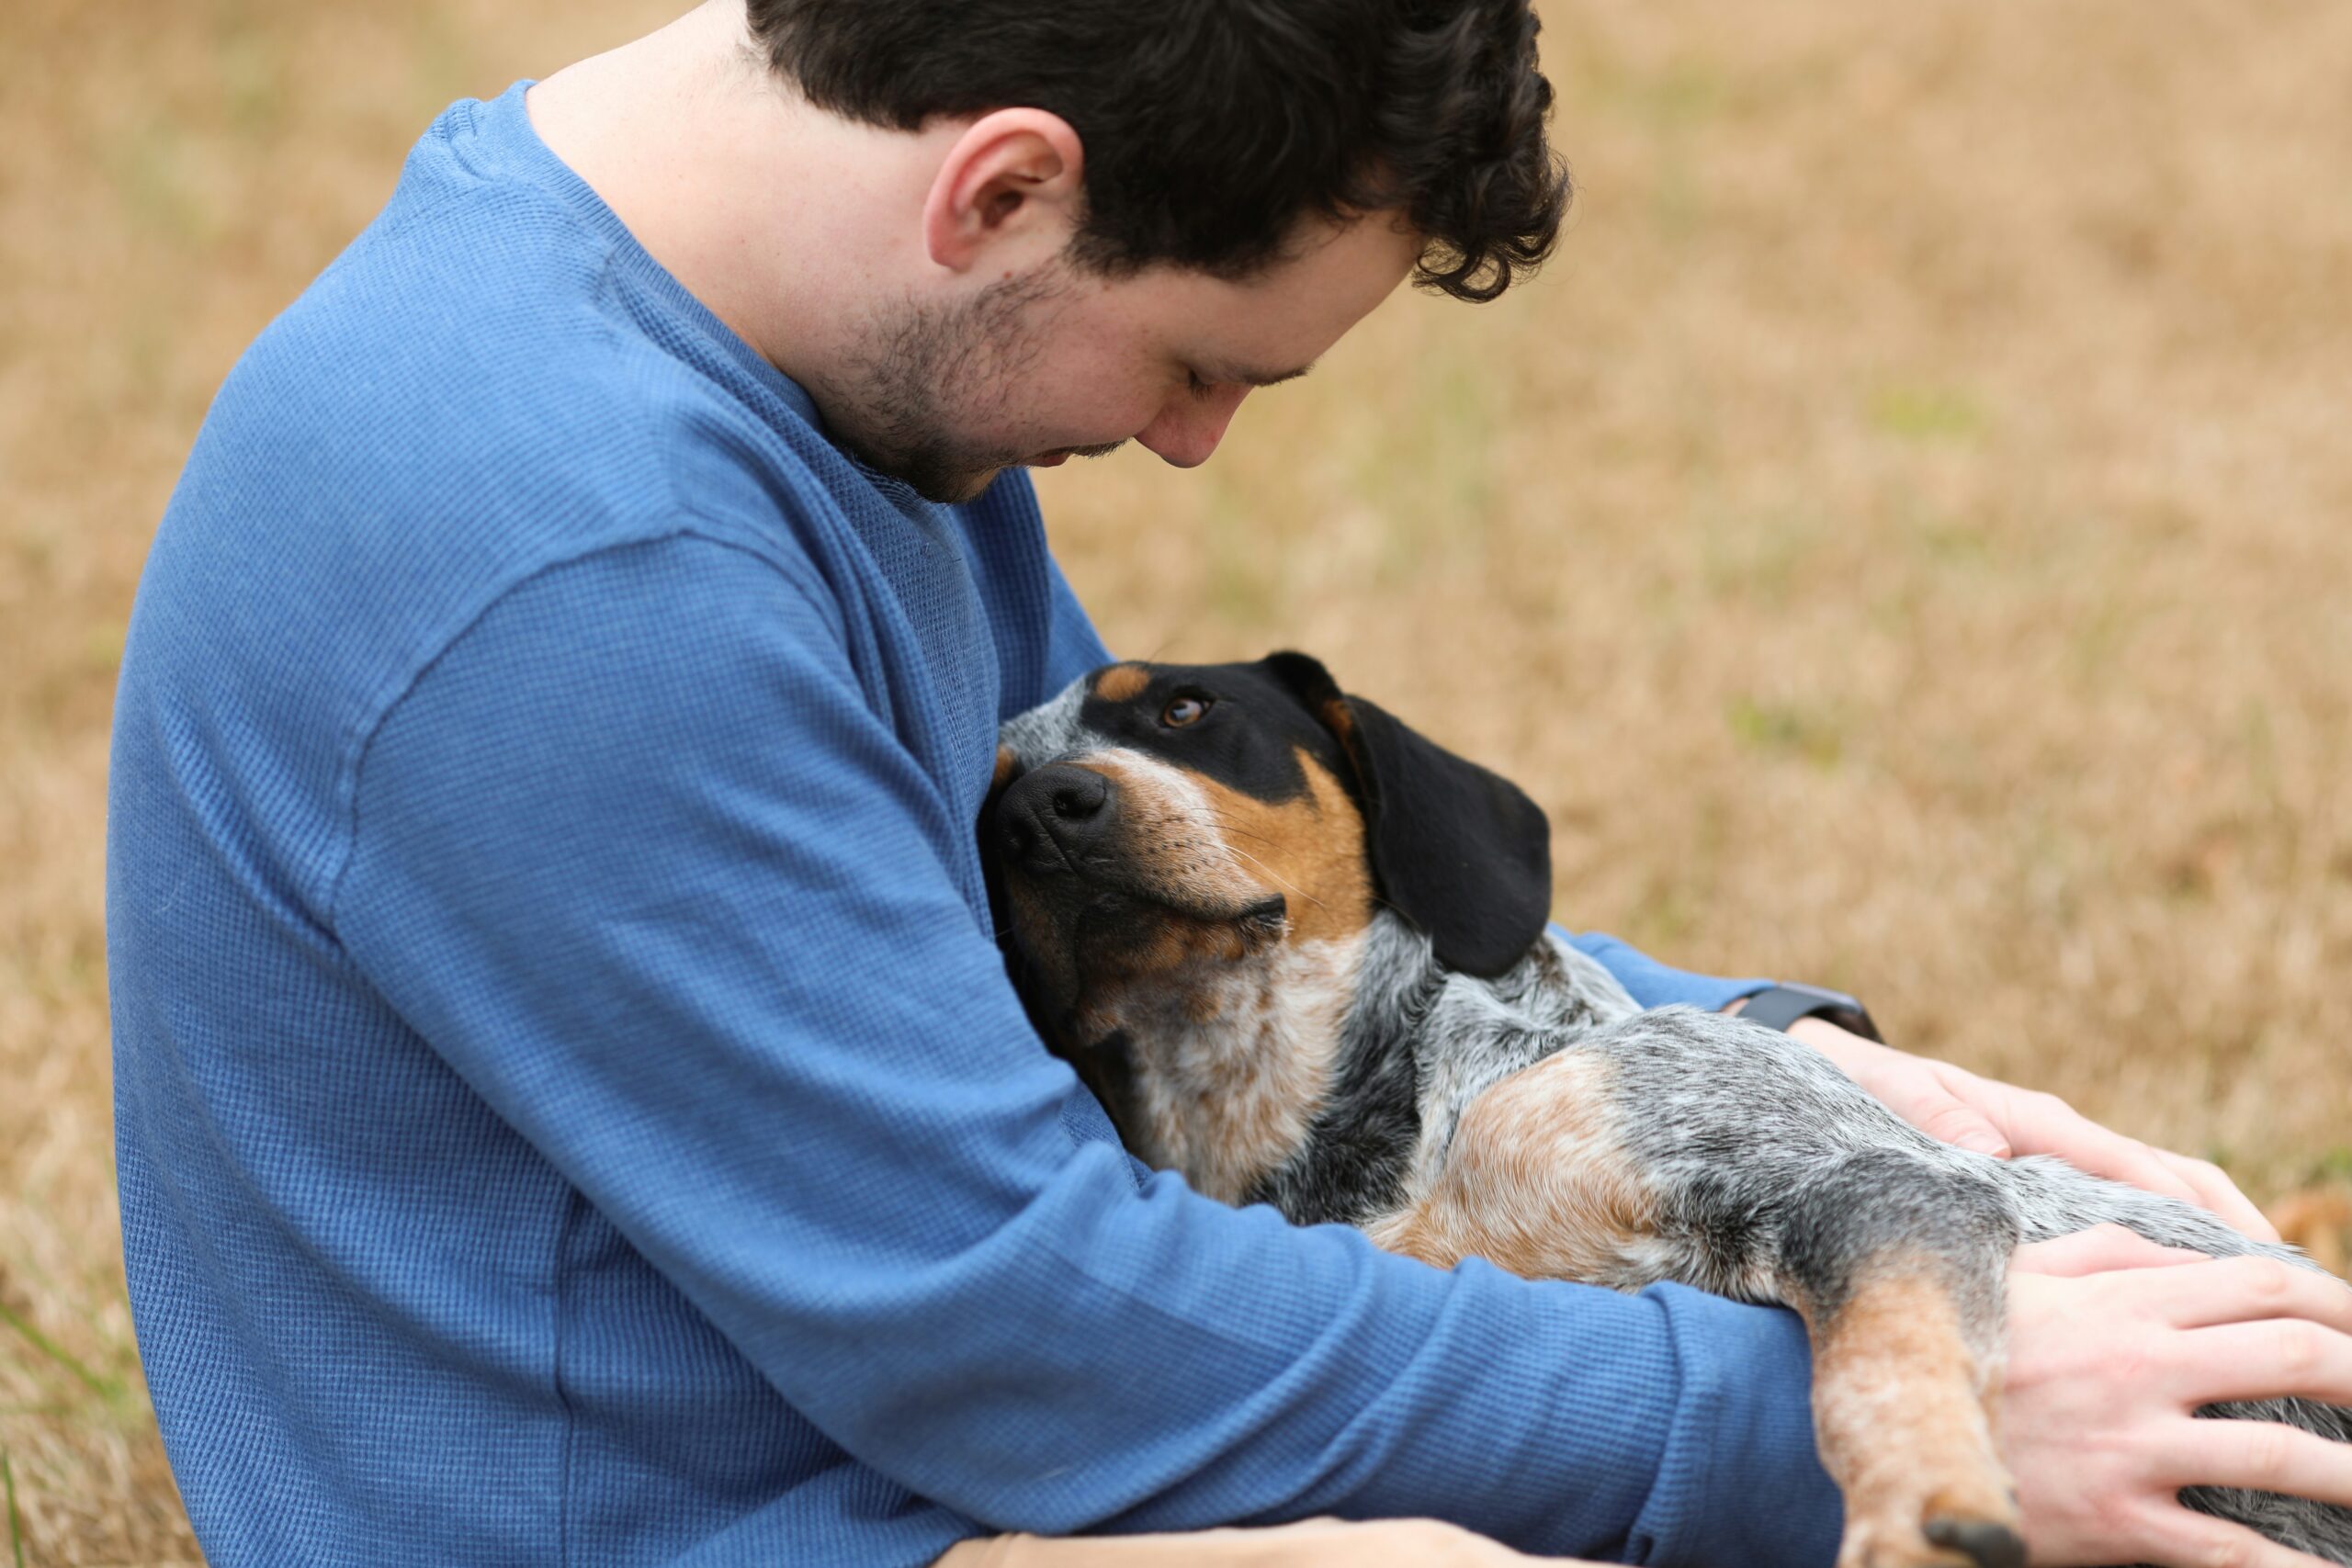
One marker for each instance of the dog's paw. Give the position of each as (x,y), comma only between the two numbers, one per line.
(1987,1543)
(1939,1536)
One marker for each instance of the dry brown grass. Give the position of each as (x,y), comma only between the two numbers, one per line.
(1902,541)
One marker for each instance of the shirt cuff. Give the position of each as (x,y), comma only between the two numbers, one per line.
(1655,984)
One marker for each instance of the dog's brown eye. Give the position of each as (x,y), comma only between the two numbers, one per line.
(1181,711)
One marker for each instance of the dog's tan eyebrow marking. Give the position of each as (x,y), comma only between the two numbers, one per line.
(1122,682)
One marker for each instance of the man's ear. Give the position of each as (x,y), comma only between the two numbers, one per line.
(1457,849)
(1012,173)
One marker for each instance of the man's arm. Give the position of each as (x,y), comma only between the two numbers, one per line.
(1655,984)
(1072,645)
(666,893)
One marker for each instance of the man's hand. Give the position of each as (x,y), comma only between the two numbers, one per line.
(2114,1343)
(1997,1119)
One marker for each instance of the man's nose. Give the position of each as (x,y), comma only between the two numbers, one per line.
(1190,425)
(1056,818)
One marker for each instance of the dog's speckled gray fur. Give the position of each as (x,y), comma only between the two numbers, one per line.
(1773,1169)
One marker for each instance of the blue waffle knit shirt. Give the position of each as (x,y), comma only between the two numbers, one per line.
(571,1107)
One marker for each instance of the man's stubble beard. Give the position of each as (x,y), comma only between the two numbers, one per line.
(918,371)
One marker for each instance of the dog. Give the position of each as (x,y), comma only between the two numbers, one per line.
(1302,955)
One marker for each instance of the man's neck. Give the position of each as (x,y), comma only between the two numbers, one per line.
(775,214)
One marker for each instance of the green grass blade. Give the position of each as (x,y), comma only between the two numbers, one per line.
(16,1521)
(106,1388)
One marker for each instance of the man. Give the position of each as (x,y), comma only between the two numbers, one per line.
(571,1107)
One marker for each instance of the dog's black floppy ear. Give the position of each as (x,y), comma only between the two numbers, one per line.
(1458,851)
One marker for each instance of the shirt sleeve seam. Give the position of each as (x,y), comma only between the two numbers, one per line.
(364,739)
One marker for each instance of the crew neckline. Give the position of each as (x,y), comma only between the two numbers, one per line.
(503,125)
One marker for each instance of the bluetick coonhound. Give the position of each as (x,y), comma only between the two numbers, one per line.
(1301,953)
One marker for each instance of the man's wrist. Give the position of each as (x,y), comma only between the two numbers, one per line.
(1781,1006)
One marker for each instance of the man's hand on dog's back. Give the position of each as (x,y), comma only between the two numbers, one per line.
(1999,1119)
(2114,1344)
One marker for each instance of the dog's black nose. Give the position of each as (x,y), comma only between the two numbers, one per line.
(1051,816)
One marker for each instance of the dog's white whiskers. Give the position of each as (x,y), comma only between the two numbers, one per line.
(1271,872)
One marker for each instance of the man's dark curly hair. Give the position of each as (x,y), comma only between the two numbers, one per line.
(1211,127)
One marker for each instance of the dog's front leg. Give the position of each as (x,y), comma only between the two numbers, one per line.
(1896,1264)
(1897,1267)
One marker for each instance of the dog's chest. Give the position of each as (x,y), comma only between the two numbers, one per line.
(1239,1069)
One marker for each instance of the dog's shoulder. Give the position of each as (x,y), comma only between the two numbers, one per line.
(1420,1044)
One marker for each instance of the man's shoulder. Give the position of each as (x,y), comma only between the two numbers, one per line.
(463,343)
(469,390)
(463,401)
(408,439)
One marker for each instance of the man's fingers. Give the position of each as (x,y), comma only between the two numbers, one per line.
(2218,1193)
(2058,1128)
(2261,1456)
(2052,1126)
(1988,1117)
(2183,1540)
(2248,1289)
(2267,1360)
(2098,1251)
(1947,1121)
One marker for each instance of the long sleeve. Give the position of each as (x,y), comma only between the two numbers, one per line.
(665,894)
(1655,985)
(1072,645)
